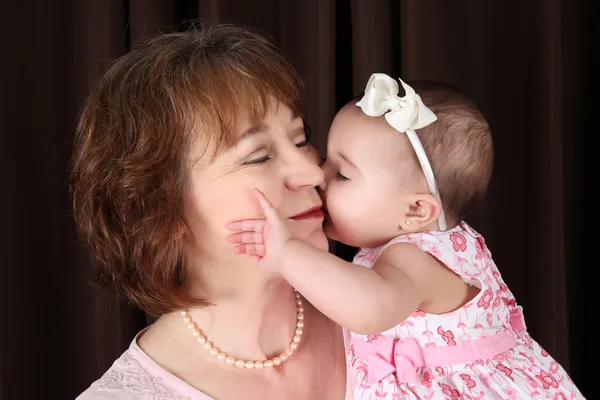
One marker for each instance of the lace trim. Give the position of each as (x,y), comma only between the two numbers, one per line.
(129,376)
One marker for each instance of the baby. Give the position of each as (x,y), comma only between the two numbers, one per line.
(425,310)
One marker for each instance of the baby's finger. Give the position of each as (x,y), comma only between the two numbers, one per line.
(250,248)
(265,204)
(247,225)
(240,249)
(255,258)
(256,249)
(246,237)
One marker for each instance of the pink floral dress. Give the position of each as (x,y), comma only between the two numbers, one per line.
(480,351)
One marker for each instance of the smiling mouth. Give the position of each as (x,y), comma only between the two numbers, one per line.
(311,213)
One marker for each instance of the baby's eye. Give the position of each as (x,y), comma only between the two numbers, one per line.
(340,177)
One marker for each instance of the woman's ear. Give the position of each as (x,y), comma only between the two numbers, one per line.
(423,210)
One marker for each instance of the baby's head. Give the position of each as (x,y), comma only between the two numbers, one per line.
(375,188)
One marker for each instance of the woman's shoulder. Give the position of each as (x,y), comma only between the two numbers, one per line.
(131,377)
(118,381)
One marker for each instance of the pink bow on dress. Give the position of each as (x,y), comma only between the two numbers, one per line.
(385,355)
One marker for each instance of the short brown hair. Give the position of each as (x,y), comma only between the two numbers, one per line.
(132,145)
(459,147)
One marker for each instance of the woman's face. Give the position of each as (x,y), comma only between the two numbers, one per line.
(274,157)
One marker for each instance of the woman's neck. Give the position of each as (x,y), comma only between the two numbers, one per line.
(253,321)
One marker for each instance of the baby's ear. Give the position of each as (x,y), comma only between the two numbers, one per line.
(423,210)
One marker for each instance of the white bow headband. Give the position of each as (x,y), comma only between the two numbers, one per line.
(405,114)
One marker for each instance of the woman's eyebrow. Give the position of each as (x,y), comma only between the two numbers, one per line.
(253,130)
(297,131)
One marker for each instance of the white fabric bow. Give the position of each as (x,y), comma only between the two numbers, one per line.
(405,114)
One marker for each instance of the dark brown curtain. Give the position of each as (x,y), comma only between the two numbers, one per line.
(526,63)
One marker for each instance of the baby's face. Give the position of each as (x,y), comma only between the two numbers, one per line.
(370,171)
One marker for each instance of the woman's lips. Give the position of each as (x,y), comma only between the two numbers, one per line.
(311,213)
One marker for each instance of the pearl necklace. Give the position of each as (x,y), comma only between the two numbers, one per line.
(215,352)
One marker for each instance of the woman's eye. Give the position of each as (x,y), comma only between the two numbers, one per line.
(260,160)
(303,143)
(340,177)
(307,131)
(306,141)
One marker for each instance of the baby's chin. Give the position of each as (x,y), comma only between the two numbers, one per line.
(333,234)
(349,237)
(330,230)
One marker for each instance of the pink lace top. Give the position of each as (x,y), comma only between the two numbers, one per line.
(135,376)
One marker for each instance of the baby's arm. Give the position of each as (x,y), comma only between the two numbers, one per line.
(361,299)
(358,298)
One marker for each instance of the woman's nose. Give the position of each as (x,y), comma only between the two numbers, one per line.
(324,168)
(304,171)
(323,185)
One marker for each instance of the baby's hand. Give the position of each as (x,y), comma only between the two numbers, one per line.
(262,239)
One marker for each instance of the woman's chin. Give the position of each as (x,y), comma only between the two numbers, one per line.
(317,239)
